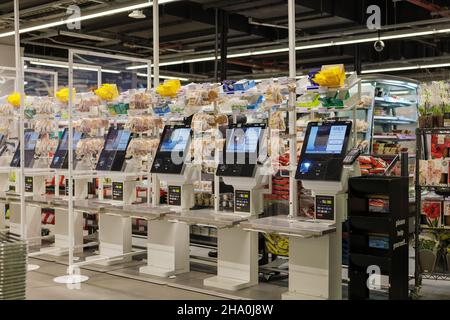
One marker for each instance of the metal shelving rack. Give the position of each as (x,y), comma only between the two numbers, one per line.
(390,121)
(421,150)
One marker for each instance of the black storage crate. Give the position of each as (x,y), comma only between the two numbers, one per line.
(378,237)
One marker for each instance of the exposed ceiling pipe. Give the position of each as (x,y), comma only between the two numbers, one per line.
(64,46)
(255,65)
(256,23)
(432,7)
(83,36)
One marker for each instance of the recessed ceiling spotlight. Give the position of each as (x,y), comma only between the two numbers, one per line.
(137,14)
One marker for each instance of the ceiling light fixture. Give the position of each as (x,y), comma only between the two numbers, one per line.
(406,68)
(66,66)
(57,23)
(137,14)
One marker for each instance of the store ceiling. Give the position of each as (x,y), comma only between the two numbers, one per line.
(187,29)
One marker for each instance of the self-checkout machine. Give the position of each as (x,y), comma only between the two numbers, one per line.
(6,155)
(237,262)
(59,163)
(168,241)
(115,235)
(34,185)
(315,245)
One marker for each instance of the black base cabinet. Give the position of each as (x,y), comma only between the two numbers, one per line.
(378,211)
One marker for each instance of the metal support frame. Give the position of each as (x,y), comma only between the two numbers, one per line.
(37,71)
(70,176)
(64,64)
(20,89)
(155,9)
(293,200)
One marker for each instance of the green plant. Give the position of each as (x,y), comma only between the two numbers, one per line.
(437,111)
(422,111)
(415,293)
(447,108)
(426,244)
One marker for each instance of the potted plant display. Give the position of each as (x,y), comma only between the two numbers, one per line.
(447,115)
(448,259)
(438,117)
(427,255)
(425,120)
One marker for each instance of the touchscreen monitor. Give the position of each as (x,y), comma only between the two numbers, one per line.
(175,140)
(30,139)
(244,140)
(327,139)
(117,140)
(64,143)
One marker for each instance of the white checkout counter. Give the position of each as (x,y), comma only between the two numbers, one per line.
(315,246)
(59,201)
(35,176)
(237,263)
(168,241)
(115,230)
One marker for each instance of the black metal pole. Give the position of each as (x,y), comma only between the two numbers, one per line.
(358,66)
(417,276)
(404,164)
(224,25)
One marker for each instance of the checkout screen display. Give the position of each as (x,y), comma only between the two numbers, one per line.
(244,140)
(31,140)
(65,140)
(326,139)
(117,140)
(175,140)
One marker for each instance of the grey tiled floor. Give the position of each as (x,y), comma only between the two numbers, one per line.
(114,286)
(101,286)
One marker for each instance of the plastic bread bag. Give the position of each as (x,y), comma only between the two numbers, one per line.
(107,92)
(142,147)
(14,99)
(43,126)
(273,95)
(194,98)
(45,106)
(237,104)
(6,109)
(5,125)
(177,107)
(308,100)
(331,76)
(63,95)
(87,102)
(46,146)
(143,124)
(254,101)
(89,147)
(88,125)
(276,121)
(202,122)
(169,88)
(140,100)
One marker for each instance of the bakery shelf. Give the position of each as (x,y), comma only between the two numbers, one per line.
(382,102)
(393,120)
(393,138)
